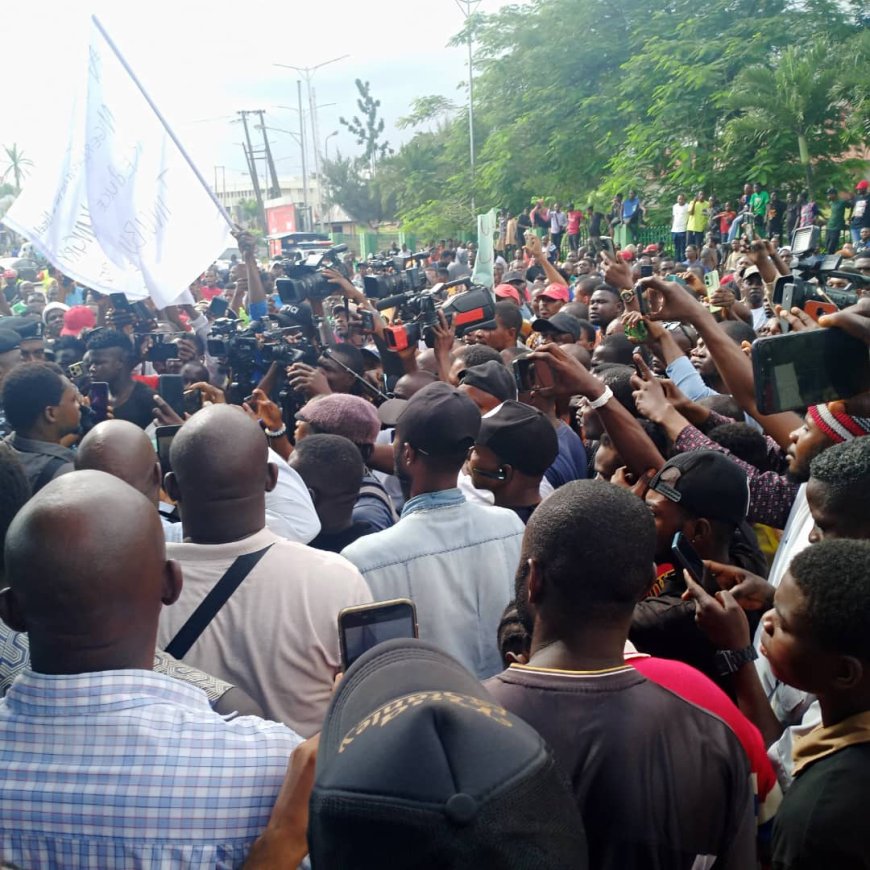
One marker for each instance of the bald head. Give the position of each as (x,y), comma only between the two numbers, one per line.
(410,383)
(122,449)
(220,475)
(89,601)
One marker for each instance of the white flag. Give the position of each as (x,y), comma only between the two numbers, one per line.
(126,212)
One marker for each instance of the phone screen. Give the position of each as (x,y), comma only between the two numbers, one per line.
(165,434)
(98,396)
(687,556)
(801,369)
(119,301)
(361,628)
(170,388)
(646,270)
(218,306)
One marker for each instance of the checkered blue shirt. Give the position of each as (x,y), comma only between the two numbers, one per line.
(131,768)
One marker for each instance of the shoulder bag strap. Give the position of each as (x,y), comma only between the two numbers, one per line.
(198,621)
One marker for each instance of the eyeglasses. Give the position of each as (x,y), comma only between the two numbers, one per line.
(499,474)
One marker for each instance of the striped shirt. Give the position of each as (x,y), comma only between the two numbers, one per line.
(131,768)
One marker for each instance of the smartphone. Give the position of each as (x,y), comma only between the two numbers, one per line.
(142,312)
(192,401)
(165,434)
(361,628)
(170,388)
(687,556)
(641,300)
(676,279)
(608,247)
(119,301)
(531,374)
(218,306)
(646,270)
(801,369)
(75,370)
(98,397)
(711,281)
(367,320)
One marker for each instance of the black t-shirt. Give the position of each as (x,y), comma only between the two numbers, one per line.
(524,223)
(659,782)
(595,223)
(775,213)
(524,513)
(139,407)
(335,542)
(823,819)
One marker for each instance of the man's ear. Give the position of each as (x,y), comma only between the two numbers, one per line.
(172,582)
(271,476)
(170,485)
(156,474)
(700,531)
(10,611)
(535,582)
(848,674)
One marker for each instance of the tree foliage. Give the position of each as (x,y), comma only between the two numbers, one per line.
(577,99)
(16,165)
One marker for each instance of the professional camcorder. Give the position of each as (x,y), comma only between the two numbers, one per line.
(395,275)
(419,313)
(809,288)
(306,280)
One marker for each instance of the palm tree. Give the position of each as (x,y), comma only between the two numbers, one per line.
(795,97)
(16,165)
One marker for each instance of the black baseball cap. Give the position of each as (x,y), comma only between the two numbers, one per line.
(707,484)
(513,277)
(9,340)
(418,767)
(521,436)
(559,322)
(27,326)
(491,377)
(439,421)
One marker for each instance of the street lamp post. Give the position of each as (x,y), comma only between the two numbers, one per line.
(467,8)
(326,144)
(307,73)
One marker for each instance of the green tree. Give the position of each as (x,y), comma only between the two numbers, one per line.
(368,127)
(16,165)
(350,185)
(792,103)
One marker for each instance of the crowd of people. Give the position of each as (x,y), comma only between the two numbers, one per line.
(531,478)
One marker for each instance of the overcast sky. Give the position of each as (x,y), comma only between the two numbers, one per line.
(203,61)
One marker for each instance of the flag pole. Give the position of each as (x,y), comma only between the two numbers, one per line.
(162,120)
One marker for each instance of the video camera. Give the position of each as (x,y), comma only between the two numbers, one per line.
(419,312)
(395,275)
(306,280)
(808,289)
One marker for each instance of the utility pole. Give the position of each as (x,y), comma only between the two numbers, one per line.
(468,8)
(252,167)
(276,187)
(307,215)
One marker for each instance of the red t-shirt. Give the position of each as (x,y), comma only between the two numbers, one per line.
(692,686)
(574,218)
(725,221)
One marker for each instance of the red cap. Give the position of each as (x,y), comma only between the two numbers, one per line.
(508,291)
(651,249)
(556,291)
(78,318)
(863,184)
(626,255)
(10,273)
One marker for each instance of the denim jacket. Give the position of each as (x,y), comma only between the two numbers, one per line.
(456,561)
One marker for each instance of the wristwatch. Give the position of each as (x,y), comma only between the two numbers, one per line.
(728,661)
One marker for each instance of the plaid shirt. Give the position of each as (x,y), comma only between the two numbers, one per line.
(130,768)
(771,494)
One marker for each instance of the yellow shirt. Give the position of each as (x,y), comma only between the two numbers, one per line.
(698,216)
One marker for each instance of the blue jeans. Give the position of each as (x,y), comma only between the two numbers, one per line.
(679,240)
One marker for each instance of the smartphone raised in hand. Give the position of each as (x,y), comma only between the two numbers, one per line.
(531,374)
(170,388)
(363,627)
(807,368)
(98,399)
(687,556)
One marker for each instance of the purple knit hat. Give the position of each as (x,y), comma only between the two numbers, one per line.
(342,414)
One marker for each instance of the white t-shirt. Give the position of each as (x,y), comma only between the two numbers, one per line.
(277,635)
(681,217)
(290,512)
